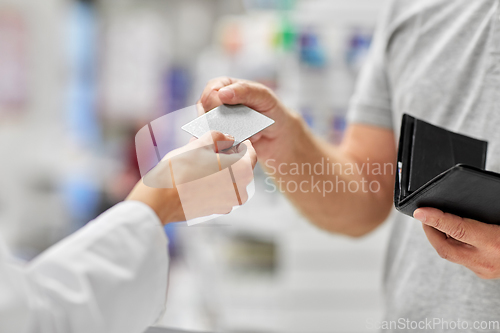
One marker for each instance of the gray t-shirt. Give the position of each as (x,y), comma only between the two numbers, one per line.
(438,60)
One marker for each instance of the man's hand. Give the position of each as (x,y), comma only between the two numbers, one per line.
(289,145)
(467,242)
(269,142)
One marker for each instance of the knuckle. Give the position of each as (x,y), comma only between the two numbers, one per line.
(443,253)
(458,231)
(245,86)
(265,89)
(269,94)
(226,79)
(438,223)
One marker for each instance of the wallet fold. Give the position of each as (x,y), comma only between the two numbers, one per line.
(444,170)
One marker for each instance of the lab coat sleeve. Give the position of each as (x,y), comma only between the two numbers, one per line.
(109,277)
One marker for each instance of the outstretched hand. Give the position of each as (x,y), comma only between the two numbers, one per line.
(204,177)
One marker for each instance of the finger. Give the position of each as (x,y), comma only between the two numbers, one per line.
(199,109)
(250,152)
(209,97)
(465,230)
(230,157)
(448,248)
(244,151)
(219,141)
(251,94)
(256,137)
(458,252)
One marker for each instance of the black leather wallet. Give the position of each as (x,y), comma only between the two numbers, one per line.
(444,170)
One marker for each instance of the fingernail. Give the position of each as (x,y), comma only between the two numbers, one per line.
(419,215)
(228,136)
(226,92)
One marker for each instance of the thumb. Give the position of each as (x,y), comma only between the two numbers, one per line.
(251,94)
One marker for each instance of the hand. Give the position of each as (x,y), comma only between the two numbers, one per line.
(195,180)
(467,242)
(271,141)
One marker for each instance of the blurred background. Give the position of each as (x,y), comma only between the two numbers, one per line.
(78,79)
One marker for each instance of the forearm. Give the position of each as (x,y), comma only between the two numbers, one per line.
(338,189)
(287,146)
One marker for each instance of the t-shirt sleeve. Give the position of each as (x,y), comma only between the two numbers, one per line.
(371,102)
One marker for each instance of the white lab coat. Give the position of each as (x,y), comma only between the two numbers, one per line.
(109,277)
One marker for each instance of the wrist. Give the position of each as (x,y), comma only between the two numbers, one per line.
(164,202)
(168,206)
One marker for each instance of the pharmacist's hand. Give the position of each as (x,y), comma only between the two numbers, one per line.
(200,179)
(270,141)
(467,242)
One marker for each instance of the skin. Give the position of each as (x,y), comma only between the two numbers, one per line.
(466,242)
(192,182)
(290,141)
